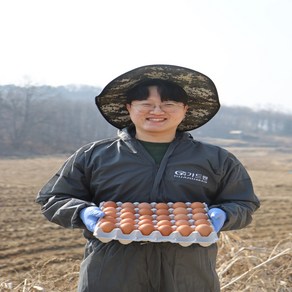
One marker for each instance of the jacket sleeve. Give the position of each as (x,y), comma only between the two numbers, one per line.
(236,195)
(66,193)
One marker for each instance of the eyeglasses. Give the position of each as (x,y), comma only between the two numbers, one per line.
(167,107)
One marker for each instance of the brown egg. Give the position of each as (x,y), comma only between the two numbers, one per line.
(204,229)
(202,221)
(184,230)
(144,205)
(145,211)
(165,230)
(127,209)
(111,214)
(128,215)
(179,205)
(161,206)
(127,228)
(109,209)
(181,217)
(200,216)
(162,217)
(107,218)
(128,205)
(145,221)
(180,210)
(164,222)
(109,204)
(162,212)
(182,222)
(146,217)
(197,205)
(128,220)
(198,210)
(146,229)
(107,226)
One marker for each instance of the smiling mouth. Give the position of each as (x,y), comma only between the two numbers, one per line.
(156,119)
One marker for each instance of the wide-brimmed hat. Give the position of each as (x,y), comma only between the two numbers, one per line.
(203,102)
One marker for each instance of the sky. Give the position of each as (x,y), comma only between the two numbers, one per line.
(244,46)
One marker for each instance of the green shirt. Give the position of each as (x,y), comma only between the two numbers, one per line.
(156,150)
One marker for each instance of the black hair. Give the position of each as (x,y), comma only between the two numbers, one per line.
(167,90)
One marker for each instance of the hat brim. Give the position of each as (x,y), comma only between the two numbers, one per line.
(203,102)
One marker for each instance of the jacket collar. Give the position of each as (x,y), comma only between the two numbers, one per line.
(129,133)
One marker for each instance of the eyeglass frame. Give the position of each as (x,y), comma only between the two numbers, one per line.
(145,107)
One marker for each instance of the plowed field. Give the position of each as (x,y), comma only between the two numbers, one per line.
(35,252)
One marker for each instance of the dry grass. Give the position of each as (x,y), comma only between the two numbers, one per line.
(249,268)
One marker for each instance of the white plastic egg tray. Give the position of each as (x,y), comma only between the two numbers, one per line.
(155,236)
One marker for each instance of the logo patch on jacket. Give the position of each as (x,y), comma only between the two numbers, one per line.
(190,176)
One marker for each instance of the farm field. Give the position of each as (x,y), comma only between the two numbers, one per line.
(35,253)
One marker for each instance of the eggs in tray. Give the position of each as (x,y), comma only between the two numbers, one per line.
(179,222)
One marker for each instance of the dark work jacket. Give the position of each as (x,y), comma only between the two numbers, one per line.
(121,169)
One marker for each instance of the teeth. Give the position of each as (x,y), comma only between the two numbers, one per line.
(156,120)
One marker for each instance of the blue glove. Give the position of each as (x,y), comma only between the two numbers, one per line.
(90,216)
(218,217)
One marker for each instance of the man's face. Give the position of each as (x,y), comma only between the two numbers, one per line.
(152,116)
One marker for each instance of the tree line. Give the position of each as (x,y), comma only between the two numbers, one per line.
(50,120)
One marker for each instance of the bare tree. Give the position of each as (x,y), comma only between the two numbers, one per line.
(22,111)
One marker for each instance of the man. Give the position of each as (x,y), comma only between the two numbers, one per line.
(153,107)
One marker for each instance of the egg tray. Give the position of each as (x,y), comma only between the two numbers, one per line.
(155,236)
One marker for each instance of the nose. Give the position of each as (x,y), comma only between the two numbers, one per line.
(157,109)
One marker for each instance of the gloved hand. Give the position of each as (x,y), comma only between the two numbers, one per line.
(218,217)
(90,216)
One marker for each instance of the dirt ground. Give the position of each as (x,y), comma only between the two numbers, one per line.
(35,252)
